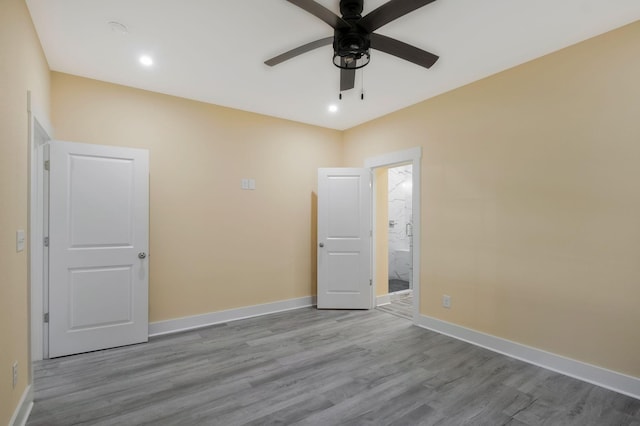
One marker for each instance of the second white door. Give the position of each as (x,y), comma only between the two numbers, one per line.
(344,238)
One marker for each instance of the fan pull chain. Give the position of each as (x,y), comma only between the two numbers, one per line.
(362,87)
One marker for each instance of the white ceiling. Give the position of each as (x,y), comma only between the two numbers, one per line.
(213,50)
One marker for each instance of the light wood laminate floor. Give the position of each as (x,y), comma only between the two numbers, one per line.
(401,305)
(311,367)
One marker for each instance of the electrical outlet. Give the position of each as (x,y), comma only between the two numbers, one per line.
(446,301)
(14,371)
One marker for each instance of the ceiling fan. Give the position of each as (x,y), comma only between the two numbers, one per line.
(354,36)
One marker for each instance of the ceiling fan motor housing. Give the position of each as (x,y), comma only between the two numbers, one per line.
(351,45)
(351,9)
(351,48)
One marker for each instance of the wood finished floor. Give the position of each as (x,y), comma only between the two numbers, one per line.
(311,367)
(401,306)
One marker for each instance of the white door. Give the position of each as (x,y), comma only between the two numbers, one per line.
(344,239)
(98,239)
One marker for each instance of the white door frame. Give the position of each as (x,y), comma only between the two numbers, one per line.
(412,156)
(39,133)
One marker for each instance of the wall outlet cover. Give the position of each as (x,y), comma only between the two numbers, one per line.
(446,301)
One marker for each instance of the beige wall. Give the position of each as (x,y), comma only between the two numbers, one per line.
(22,68)
(381,175)
(213,246)
(531,200)
(529,186)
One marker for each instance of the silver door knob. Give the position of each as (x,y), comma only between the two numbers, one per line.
(142,255)
(321,244)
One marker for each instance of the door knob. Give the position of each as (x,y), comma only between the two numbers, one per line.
(321,244)
(142,255)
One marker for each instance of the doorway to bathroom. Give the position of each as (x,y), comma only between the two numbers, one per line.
(409,306)
(400,229)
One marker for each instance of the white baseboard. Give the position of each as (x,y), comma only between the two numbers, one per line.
(618,382)
(198,321)
(23,409)
(385,299)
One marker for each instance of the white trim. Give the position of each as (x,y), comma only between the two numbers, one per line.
(372,242)
(198,321)
(36,245)
(413,156)
(618,382)
(393,158)
(400,293)
(21,414)
(384,299)
(38,125)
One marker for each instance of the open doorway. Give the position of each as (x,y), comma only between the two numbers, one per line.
(400,220)
(393,240)
(382,268)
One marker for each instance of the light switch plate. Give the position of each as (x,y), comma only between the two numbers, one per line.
(252,184)
(244,184)
(20,240)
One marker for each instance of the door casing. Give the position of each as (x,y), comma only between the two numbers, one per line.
(411,156)
(39,134)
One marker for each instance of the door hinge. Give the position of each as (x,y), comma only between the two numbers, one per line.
(370,281)
(46,241)
(46,164)
(46,317)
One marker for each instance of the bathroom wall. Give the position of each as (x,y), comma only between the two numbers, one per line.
(400,180)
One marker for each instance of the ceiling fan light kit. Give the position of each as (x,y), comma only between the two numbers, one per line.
(354,36)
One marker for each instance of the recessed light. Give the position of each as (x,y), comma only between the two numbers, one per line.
(333,108)
(146,60)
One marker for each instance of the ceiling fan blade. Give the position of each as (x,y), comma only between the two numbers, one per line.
(347,78)
(388,12)
(321,12)
(299,51)
(403,50)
